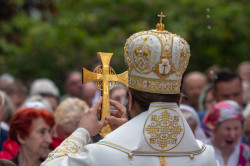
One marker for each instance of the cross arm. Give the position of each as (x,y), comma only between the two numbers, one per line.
(90,76)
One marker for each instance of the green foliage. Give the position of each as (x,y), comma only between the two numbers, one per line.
(69,36)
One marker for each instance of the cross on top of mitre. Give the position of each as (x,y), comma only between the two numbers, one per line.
(160,26)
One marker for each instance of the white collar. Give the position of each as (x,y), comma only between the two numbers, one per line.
(162,130)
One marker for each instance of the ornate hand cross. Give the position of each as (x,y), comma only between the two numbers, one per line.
(105,76)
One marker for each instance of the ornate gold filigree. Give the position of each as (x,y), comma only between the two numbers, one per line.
(70,145)
(164,129)
(154,85)
(157,54)
(142,56)
(104,74)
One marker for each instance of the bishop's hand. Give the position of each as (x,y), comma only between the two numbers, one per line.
(89,120)
(119,116)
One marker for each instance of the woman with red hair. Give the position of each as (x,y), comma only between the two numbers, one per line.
(31,128)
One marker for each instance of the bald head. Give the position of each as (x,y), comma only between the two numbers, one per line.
(193,85)
(73,84)
(89,89)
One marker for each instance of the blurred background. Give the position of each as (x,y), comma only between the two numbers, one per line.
(46,38)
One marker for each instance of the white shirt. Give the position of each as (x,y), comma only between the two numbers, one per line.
(232,160)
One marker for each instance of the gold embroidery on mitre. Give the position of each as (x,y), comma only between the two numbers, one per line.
(184,59)
(142,56)
(154,85)
(164,129)
(159,55)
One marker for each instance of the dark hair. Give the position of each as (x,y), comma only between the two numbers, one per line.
(225,75)
(143,99)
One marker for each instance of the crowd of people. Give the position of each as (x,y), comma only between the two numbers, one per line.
(40,109)
(35,120)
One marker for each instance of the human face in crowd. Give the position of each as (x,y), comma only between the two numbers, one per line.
(39,138)
(118,95)
(74,85)
(88,92)
(231,90)
(17,99)
(194,85)
(209,100)
(247,129)
(53,101)
(227,134)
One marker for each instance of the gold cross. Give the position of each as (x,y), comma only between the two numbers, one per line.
(160,26)
(106,75)
(161,16)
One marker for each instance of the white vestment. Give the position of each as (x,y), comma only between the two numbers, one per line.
(157,137)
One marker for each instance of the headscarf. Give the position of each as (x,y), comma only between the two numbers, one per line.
(222,111)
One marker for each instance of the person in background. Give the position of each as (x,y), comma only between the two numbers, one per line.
(246,92)
(227,85)
(193,121)
(211,72)
(88,92)
(206,101)
(72,85)
(67,117)
(193,84)
(225,122)
(17,93)
(11,147)
(47,89)
(5,79)
(244,70)
(8,112)
(38,102)
(31,128)
(118,93)
(3,132)
(246,128)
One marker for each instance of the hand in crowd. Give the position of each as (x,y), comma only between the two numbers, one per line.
(119,116)
(89,120)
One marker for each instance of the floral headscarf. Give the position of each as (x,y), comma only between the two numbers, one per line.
(222,111)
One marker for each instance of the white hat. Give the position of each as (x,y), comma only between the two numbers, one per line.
(44,86)
(156,60)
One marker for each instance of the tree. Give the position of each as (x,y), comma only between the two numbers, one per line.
(67,34)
